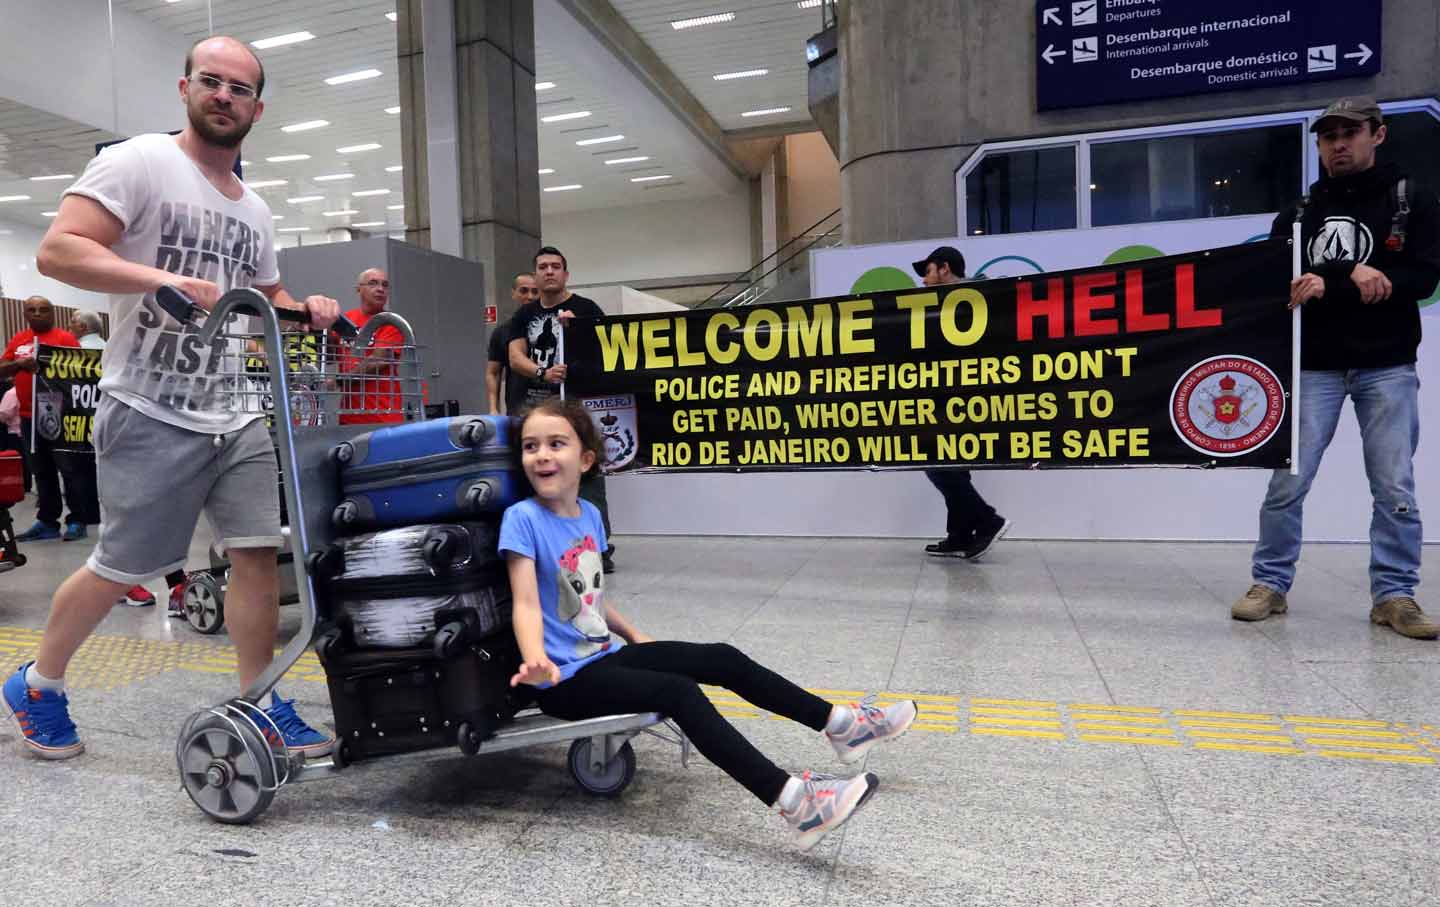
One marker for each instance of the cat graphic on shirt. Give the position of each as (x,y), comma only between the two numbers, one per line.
(580,578)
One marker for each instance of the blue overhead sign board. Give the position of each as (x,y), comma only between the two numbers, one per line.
(1109,51)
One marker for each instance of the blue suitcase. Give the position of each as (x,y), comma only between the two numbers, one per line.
(436,471)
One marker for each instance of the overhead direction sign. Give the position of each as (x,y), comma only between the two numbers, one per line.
(1109,51)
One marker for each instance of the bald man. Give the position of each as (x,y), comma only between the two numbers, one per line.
(170,441)
(373,395)
(523,291)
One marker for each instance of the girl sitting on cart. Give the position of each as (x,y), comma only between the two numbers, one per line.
(552,543)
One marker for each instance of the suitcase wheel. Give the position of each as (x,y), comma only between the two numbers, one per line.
(342,453)
(475,433)
(477,497)
(345,514)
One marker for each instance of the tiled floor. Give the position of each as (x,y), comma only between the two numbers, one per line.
(1095,731)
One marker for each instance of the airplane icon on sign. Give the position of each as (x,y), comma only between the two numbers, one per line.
(1320,59)
(1085,13)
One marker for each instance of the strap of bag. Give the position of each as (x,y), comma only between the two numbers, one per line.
(1400,218)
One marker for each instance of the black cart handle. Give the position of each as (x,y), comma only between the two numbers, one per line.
(184,310)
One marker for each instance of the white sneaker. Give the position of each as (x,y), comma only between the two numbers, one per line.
(871,725)
(828,802)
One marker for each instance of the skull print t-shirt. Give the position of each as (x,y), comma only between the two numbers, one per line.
(571,578)
(174,219)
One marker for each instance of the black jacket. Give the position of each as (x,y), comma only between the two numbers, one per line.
(1348,221)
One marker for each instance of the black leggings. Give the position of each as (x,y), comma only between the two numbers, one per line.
(664,677)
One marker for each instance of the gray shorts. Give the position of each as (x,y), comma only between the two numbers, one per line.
(156,478)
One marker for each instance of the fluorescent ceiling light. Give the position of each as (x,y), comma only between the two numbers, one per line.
(287,158)
(277,217)
(356,149)
(302,199)
(648,179)
(332,177)
(563,188)
(265,184)
(50,213)
(544,86)
(394,207)
(392,110)
(292,229)
(602,140)
(369,223)
(244,163)
(742,74)
(365,193)
(295,37)
(395,168)
(358,76)
(628,160)
(546,171)
(807,4)
(561,117)
(53,176)
(765,112)
(305,126)
(14,198)
(713,19)
(346,213)
(393,16)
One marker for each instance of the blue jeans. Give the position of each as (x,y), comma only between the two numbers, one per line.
(1387,406)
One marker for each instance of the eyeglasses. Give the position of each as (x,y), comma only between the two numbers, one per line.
(377,284)
(213,85)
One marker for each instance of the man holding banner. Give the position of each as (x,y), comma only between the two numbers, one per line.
(1370,241)
(972,526)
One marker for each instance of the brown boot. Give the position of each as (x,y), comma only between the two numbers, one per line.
(1404,616)
(1259,603)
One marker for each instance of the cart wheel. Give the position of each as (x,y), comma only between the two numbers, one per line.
(609,781)
(227,768)
(205,603)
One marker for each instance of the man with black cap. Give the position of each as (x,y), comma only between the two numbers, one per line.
(972,527)
(1370,241)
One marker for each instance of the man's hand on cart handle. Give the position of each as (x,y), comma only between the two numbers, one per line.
(534,672)
(322,312)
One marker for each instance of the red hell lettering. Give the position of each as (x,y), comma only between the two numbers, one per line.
(1137,320)
(1087,301)
(1186,315)
(1051,308)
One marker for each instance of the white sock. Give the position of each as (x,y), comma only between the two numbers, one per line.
(840,720)
(791,795)
(40,682)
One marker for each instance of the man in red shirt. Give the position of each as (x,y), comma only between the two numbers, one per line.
(374,395)
(47,464)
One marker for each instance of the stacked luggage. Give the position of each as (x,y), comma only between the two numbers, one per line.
(420,652)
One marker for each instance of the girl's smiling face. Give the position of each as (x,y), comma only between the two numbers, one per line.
(552,457)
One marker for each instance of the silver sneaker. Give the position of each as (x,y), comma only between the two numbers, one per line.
(828,802)
(871,725)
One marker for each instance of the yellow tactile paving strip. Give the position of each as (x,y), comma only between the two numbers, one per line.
(111,662)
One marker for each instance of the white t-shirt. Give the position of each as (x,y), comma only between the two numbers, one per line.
(176,220)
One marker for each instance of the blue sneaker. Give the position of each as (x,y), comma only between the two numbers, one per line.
(295,734)
(74,532)
(39,531)
(43,718)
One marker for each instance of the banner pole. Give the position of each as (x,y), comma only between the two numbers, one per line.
(560,354)
(1296,264)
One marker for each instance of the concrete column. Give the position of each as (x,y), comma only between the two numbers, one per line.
(495,134)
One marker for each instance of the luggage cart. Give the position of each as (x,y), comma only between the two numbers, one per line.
(226,765)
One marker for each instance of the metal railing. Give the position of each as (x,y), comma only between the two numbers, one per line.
(785,262)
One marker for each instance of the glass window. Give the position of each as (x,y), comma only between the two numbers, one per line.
(1410,143)
(1021,191)
(1216,174)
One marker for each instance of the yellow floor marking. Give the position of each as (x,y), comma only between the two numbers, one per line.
(1017,732)
(1378,757)
(1344,722)
(942,728)
(1035,703)
(1118,719)
(854,694)
(1138,710)
(1094,726)
(1221,735)
(1243,748)
(924,697)
(980,720)
(1238,725)
(1021,713)
(1113,738)
(1361,744)
(1244,716)
(1350,732)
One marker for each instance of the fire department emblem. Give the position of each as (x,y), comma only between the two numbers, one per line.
(1227,406)
(618,422)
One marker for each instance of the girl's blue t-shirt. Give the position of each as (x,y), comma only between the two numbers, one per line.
(570,574)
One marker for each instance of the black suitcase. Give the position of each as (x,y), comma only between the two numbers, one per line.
(402,700)
(389,589)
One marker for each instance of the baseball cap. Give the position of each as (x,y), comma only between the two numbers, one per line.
(1356,110)
(944,255)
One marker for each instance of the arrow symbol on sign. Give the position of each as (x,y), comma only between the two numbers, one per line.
(1050,53)
(1052,16)
(1364,54)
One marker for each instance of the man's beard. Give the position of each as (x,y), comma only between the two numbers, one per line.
(216,137)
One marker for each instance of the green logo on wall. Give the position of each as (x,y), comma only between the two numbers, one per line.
(1132,253)
(882,280)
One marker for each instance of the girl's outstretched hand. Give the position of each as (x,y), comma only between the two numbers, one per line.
(535,672)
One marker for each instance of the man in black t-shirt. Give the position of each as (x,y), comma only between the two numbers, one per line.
(537,364)
(497,370)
